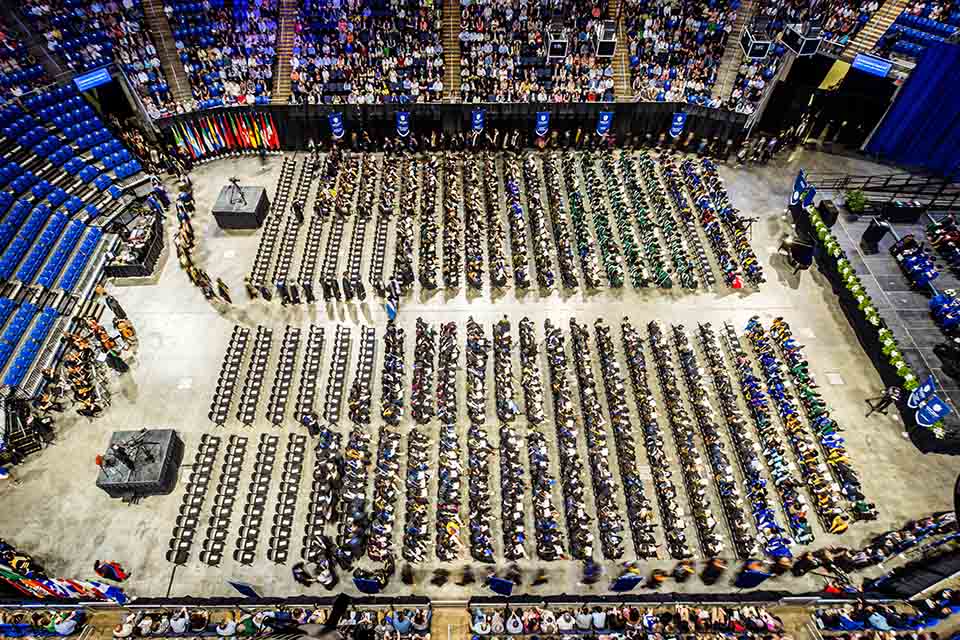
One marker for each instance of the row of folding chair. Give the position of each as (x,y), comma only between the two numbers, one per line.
(379,257)
(311,250)
(218,525)
(304,180)
(283,380)
(352,529)
(229,374)
(324,489)
(281,197)
(279,549)
(332,256)
(310,372)
(268,240)
(288,243)
(256,371)
(357,241)
(337,376)
(252,519)
(681,206)
(358,402)
(194,495)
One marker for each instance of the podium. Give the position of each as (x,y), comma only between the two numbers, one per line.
(233,212)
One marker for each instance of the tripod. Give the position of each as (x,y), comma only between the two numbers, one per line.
(129,453)
(236,194)
(747,225)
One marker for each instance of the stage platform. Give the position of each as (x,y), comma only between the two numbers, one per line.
(156,460)
(249,213)
(904,308)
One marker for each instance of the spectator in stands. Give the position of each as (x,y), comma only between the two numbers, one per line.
(90,36)
(368,53)
(19,70)
(503,52)
(228,55)
(675,51)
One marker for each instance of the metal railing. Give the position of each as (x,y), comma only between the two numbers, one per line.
(937,193)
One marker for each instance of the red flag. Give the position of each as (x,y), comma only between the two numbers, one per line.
(229,133)
(276,134)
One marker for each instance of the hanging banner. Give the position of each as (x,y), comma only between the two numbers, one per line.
(799,186)
(933,411)
(403,123)
(336,125)
(677,124)
(604,122)
(543,123)
(477,119)
(808,195)
(919,395)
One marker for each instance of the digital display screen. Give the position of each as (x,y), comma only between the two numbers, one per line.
(871,65)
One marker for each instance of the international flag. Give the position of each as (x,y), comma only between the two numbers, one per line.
(194,147)
(214,134)
(254,133)
(227,134)
(177,138)
(245,132)
(272,131)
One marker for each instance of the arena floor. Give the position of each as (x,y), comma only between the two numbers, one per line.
(59,515)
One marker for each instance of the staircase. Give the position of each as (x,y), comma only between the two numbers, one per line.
(732,53)
(451,51)
(288,25)
(159,29)
(622,86)
(866,40)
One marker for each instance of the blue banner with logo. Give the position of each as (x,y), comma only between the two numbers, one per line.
(677,123)
(336,124)
(932,412)
(604,122)
(403,123)
(543,123)
(919,395)
(477,119)
(808,195)
(799,186)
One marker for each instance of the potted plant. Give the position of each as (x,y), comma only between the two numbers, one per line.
(856,202)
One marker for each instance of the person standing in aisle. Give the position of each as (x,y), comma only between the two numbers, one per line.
(224,290)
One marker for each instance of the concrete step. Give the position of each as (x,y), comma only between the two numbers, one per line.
(158,27)
(288,24)
(451,51)
(732,54)
(867,38)
(622,85)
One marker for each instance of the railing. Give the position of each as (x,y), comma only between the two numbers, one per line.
(936,193)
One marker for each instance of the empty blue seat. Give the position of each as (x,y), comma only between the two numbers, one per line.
(72,275)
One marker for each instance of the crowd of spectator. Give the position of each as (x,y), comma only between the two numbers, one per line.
(376,51)
(18,69)
(504,52)
(91,35)
(840,20)
(941,11)
(843,19)
(675,48)
(227,54)
(368,52)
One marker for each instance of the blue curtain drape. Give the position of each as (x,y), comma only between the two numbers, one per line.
(922,128)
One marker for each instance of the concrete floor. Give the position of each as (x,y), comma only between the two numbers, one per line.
(59,515)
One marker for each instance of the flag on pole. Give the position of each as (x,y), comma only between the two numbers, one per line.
(276,134)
